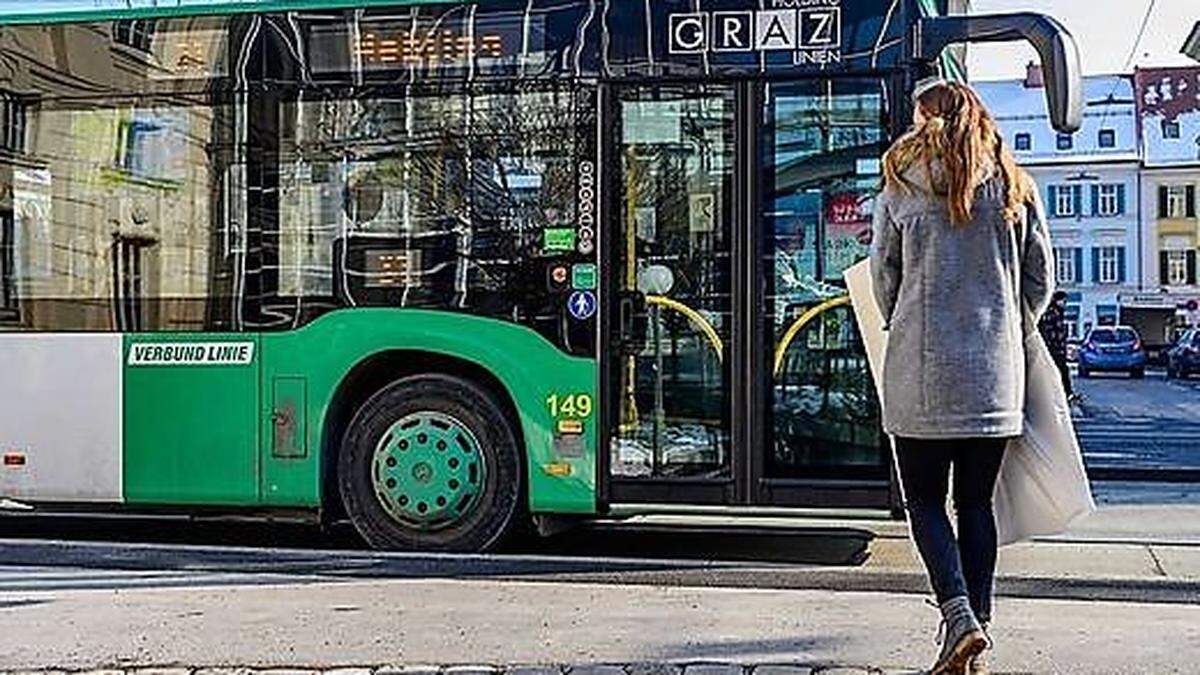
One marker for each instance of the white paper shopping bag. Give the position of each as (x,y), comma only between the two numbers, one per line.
(1043,486)
(869,318)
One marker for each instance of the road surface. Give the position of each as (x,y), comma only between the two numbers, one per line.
(1149,427)
(98,605)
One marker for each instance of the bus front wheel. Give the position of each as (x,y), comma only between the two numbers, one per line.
(430,463)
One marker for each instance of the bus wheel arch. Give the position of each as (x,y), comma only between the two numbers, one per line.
(376,373)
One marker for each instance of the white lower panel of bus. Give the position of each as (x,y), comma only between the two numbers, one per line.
(60,417)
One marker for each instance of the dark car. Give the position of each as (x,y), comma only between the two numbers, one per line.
(1183,358)
(1112,349)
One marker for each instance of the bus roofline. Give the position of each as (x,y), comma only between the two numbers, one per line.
(1054,44)
(15,13)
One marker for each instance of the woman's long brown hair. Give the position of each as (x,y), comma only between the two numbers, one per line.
(959,134)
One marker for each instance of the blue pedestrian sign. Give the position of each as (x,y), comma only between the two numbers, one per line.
(582,304)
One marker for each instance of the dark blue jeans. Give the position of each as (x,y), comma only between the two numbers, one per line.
(966,565)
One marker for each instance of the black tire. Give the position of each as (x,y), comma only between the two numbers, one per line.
(500,505)
(1138,373)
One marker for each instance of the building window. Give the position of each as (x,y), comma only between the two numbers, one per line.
(1177,268)
(1066,264)
(129,277)
(138,34)
(1107,315)
(1064,200)
(1177,201)
(1072,322)
(8,267)
(1107,203)
(1170,129)
(1066,141)
(14,117)
(1108,265)
(1108,138)
(1023,142)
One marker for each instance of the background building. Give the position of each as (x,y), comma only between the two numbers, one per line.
(1089,182)
(1168,110)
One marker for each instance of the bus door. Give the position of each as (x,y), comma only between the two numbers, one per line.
(733,370)
(670,252)
(815,427)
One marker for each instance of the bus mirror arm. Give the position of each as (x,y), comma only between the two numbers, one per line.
(1054,44)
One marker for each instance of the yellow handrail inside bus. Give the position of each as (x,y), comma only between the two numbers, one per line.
(803,321)
(695,317)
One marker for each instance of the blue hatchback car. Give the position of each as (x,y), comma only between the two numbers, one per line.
(1183,358)
(1112,349)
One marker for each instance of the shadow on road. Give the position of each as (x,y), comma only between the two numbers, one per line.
(776,545)
(842,546)
(236,555)
(174,553)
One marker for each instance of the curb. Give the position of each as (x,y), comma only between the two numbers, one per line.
(649,668)
(195,566)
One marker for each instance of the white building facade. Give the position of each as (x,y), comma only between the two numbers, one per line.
(1089,181)
(1168,101)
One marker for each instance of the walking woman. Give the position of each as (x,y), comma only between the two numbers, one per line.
(960,254)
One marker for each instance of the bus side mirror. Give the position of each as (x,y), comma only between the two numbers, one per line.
(1054,44)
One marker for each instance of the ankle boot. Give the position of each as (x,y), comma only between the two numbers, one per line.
(964,638)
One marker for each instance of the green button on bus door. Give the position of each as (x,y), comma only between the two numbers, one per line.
(583,277)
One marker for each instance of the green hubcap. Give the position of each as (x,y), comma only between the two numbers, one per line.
(428,471)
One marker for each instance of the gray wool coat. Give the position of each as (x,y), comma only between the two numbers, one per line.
(952,299)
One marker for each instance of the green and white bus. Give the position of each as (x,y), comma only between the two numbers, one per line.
(448,269)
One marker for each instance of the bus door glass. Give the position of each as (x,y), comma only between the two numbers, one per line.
(672,258)
(822,141)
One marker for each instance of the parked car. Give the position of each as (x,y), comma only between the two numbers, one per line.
(1183,358)
(1112,349)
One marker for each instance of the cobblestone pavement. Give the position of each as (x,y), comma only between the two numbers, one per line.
(698,668)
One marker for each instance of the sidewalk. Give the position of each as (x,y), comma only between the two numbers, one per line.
(1156,544)
(699,668)
(1120,594)
(325,625)
(1118,546)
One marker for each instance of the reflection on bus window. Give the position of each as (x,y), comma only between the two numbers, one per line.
(676,172)
(9,309)
(203,173)
(454,192)
(114,164)
(823,142)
